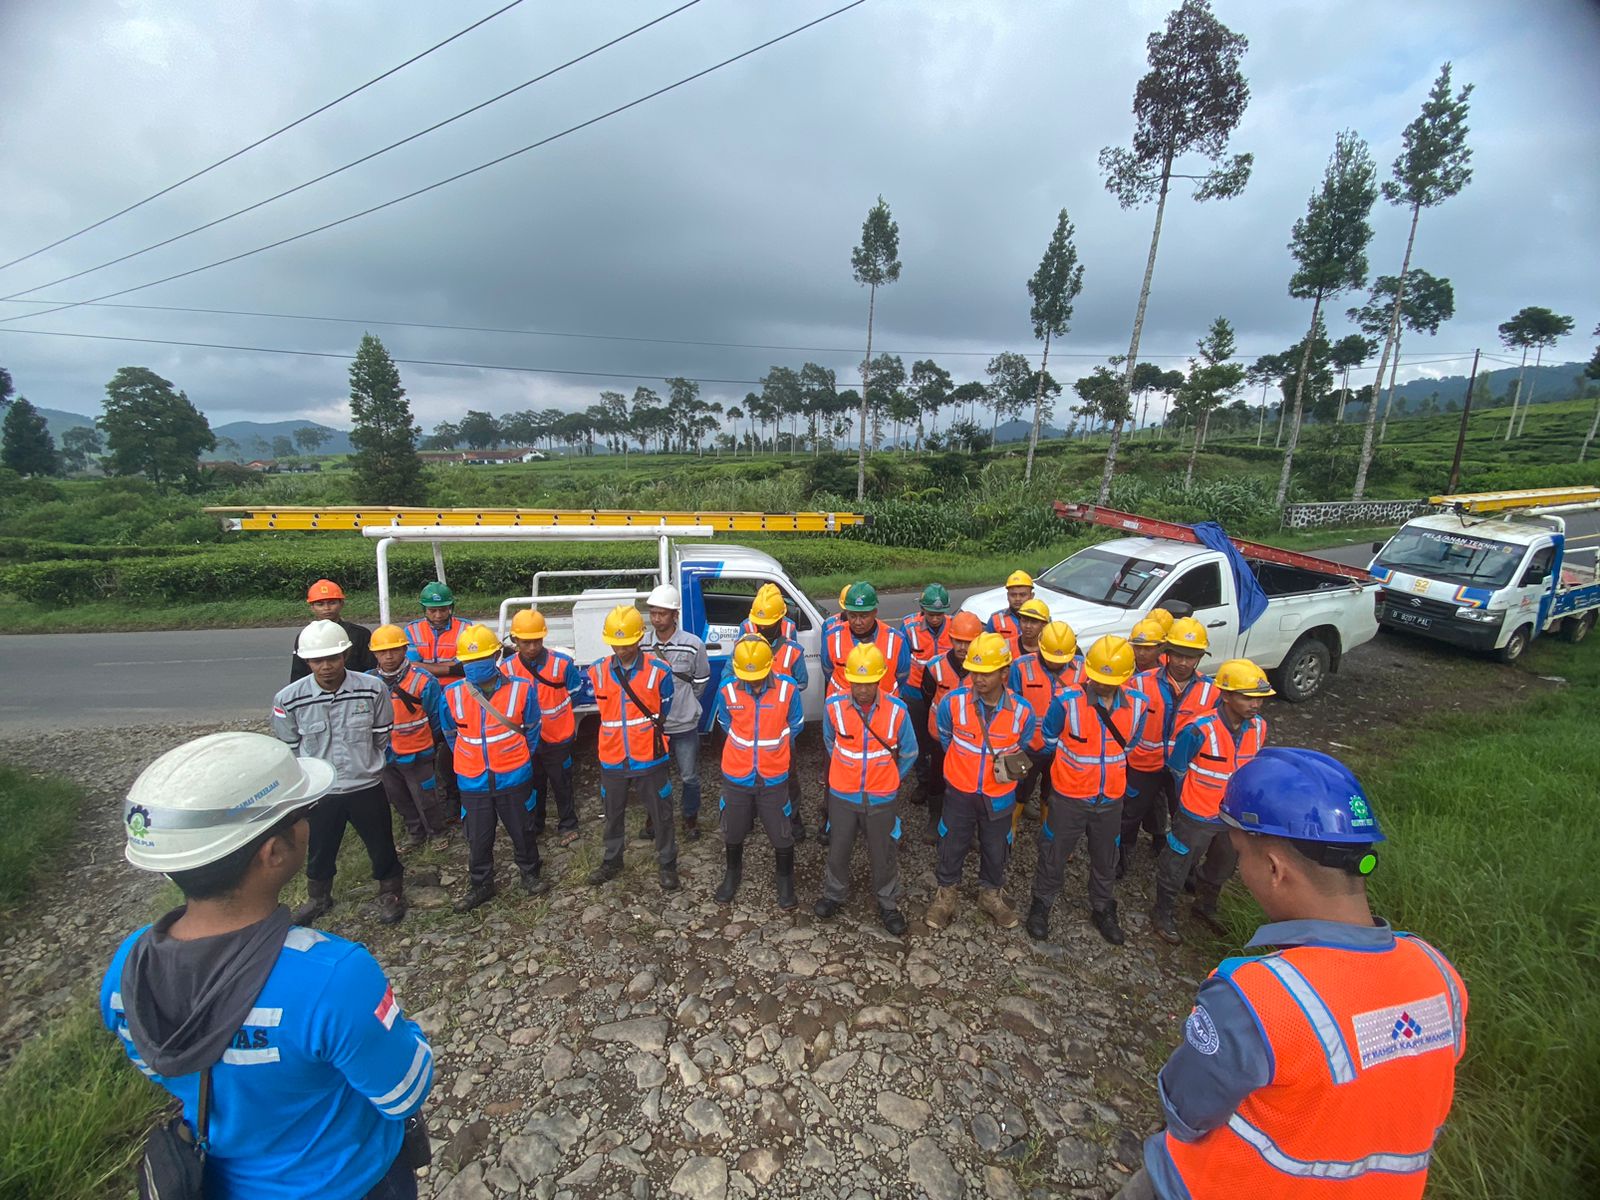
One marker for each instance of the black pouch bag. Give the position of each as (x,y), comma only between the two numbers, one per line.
(173,1166)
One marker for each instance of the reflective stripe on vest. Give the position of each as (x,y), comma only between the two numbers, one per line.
(969,759)
(787,630)
(1149,753)
(1089,763)
(946,679)
(888,639)
(482,743)
(863,765)
(1005,624)
(1364,1046)
(627,735)
(1198,699)
(556,722)
(758,730)
(412,732)
(1219,756)
(1038,687)
(784,657)
(433,645)
(925,645)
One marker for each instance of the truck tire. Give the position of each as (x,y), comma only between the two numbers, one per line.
(1303,671)
(1515,645)
(1575,629)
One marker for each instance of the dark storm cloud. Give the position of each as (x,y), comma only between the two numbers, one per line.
(726,211)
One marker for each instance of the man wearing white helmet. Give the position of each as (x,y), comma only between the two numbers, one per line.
(286,1046)
(685,655)
(345,717)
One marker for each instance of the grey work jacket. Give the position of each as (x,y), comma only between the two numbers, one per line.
(685,655)
(348,726)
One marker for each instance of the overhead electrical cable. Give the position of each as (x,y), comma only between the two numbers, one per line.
(261,141)
(493,162)
(365,158)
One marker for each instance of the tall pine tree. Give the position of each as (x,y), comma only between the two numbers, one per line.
(388,470)
(26,446)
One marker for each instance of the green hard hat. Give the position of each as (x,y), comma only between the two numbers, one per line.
(862,597)
(437,595)
(936,598)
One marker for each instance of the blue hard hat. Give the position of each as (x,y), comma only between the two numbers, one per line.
(1301,794)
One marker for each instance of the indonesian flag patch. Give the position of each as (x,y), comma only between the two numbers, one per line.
(279,711)
(388,1009)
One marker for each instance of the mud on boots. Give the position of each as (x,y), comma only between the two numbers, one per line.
(761,711)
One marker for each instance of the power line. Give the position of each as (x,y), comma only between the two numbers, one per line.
(449,363)
(461,174)
(594,337)
(263,140)
(239,212)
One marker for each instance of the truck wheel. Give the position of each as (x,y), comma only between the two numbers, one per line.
(1575,629)
(1515,645)
(1304,671)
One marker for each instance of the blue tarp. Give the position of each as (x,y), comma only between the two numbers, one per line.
(1252,600)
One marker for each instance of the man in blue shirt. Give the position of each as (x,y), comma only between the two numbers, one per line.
(314,1070)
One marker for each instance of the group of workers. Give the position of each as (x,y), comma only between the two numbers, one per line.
(1329,1061)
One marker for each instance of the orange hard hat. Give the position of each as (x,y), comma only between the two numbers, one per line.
(965,626)
(324,589)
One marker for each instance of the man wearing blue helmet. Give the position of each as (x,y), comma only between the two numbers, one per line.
(1331,1058)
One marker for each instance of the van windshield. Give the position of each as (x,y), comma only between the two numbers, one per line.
(1453,557)
(1105,578)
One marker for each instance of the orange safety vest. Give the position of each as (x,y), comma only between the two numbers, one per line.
(1364,1047)
(974,746)
(786,628)
(1149,753)
(926,645)
(1090,763)
(433,645)
(758,729)
(1005,624)
(413,734)
(1200,699)
(784,657)
(556,722)
(865,763)
(482,743)
(841,641)
(1221,753)
(1037,686)
(628,736)
(947,677)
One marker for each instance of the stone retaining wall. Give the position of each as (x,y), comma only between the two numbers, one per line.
(1352,512)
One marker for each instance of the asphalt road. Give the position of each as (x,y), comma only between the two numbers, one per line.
(122,679)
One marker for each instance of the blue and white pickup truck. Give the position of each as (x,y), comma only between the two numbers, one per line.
(1491,583)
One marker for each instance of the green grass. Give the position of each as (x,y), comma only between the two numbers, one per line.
(38,814)
(1491,856)
(71,1111)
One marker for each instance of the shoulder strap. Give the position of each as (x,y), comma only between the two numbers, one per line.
(499,717)
(866,723)
(202,1116)
(656,720)
(1110,725)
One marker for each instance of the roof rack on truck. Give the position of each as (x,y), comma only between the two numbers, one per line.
(345,517)
(1533,501)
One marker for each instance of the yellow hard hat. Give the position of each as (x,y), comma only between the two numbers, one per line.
(1162,617)
(1188,634)
(1019,579)
(1148,632)
(769,607)
(529,623)
(844,594)
(865,664)
(623,626)
(1110,660)
(1058,643)
(475,642)
(387,637)
(752,659)
(989,652)
(1035,608)
(1243,676)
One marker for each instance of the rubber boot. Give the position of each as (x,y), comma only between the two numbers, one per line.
(732,876)
(392,899)
(1038,920)
(319,902)
(1164,921)
(997,904)
(943,909)
(1124,857)
(1205,906)
(1105,920)
(476,896)
(668,877)
(605,872)
(786,897)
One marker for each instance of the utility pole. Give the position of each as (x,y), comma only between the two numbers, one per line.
(1461,434)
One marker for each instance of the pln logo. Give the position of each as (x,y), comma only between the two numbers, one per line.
(138,820)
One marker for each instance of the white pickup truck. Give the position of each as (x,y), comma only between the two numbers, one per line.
(1313,617)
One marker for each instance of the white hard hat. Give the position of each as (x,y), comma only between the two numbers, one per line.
(206,798)
(665,596)
(322,639)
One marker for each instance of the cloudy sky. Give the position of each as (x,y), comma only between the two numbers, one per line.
(725,211)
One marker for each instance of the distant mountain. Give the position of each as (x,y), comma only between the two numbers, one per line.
(59,422)
(1017,431)
(254,438)
(1554,382)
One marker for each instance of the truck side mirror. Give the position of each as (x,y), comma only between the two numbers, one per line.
(1377,547)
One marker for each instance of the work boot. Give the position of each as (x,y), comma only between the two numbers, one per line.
(825,909)
(605,872)
(943,909)
(797,827)
(930,835)
(691,828)
(414,841)
(1031,810)
(319,902)
(534,884)
(392,899)
(786,897)
(1105,920)
(1124,857)
(669,877)
(997,904)
(647,831)
(1205,907)
(732,876)
(1038,920)
(1165,922)
(478,894)
(893,920)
